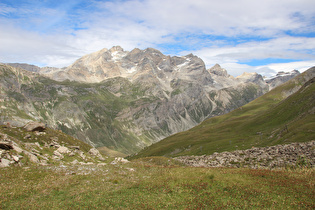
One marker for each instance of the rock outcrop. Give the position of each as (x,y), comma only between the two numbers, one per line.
(35,126)
(5,145)
(19,152)
(279,156)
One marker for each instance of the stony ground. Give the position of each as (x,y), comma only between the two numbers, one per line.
(25,147)
(290,155)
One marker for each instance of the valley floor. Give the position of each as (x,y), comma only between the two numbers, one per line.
(154,183)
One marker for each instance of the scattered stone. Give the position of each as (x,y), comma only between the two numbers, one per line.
(4,162)
(15,158)
(30,147)
(7,155)
(58,154)
(55,157)
(28,136)
(38,133)
(46,145)
(43,162)
(54,138)
(54,144)
(119,160)
(75,162)
(94,152)
(63,150)
(75,147)
(102,164)
(82,155)
(31,157)
(38,145)
(88,163)
(101,158)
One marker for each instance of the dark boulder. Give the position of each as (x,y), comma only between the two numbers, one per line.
(5,145)
(35,126)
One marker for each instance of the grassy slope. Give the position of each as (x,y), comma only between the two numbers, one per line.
(111,153)
(154,184)
(268,120)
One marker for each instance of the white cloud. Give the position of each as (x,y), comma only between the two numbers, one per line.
(300,65)
(225,17)
(49,36)
(18,45)
(290,48)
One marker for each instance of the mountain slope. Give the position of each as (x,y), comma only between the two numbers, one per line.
(283,115)
(124,100)
(86,111)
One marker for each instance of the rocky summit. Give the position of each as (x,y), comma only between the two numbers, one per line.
(124,100)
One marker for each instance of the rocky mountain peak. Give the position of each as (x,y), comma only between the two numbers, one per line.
(218,70)
(282,73)
(249,76)
(116,49)
(134,65)
(252,77)
(281,77)
(152,51)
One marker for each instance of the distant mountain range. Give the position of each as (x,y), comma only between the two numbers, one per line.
(125,100)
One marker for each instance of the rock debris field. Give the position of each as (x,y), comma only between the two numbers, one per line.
(279,156)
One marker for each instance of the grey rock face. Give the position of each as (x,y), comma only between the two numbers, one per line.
(217,70)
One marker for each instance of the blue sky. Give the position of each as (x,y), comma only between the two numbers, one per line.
(241,35)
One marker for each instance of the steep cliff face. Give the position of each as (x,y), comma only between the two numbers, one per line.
(124,100)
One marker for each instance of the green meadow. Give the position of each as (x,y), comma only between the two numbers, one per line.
(154,183)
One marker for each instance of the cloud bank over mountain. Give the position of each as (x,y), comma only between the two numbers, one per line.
(262,36)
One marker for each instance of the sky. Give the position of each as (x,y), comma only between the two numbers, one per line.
(263,36)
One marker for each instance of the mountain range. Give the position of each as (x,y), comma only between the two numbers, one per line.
(283,115)
(126,101)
